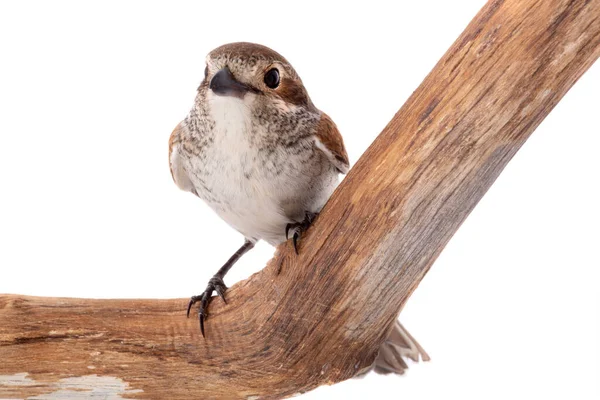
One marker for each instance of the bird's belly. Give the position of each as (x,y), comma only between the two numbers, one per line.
(255,218)
(250,207)
(259,201)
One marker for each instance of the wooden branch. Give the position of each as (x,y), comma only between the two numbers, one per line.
(324,316)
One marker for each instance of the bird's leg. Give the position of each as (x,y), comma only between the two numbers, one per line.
(300,227)
(216,284)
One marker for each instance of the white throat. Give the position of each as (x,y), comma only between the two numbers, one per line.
(231,114)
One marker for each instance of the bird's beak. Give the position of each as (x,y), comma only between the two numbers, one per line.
(224,84)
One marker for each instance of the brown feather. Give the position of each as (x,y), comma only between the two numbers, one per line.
(246,50)
(292,91)
(399,345)
(330,137)
(173,139)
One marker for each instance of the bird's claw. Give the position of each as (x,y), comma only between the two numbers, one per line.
(214,284)
(299,228)
(295,240)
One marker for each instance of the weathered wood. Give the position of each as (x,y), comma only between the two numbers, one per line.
(324,316)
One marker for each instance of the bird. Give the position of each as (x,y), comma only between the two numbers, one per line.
(257,151)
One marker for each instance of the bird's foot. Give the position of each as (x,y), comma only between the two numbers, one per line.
(214,284)
(299,228)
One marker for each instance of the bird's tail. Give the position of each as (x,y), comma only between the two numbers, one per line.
(399,345)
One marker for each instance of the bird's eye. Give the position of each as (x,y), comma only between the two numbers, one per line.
(272,78)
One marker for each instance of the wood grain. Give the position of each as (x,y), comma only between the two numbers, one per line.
(323,317)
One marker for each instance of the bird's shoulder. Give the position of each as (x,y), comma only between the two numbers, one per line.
(329,140)
(176,164)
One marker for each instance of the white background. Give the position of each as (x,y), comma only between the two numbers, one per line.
(90,93)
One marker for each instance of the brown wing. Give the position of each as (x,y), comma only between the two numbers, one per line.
(329,141)
(180,176)
(173,139)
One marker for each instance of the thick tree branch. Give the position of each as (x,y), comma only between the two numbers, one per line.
(323,317)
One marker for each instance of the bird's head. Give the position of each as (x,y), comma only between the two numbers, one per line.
(252,76)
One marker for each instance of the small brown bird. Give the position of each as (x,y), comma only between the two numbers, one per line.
(256,149)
